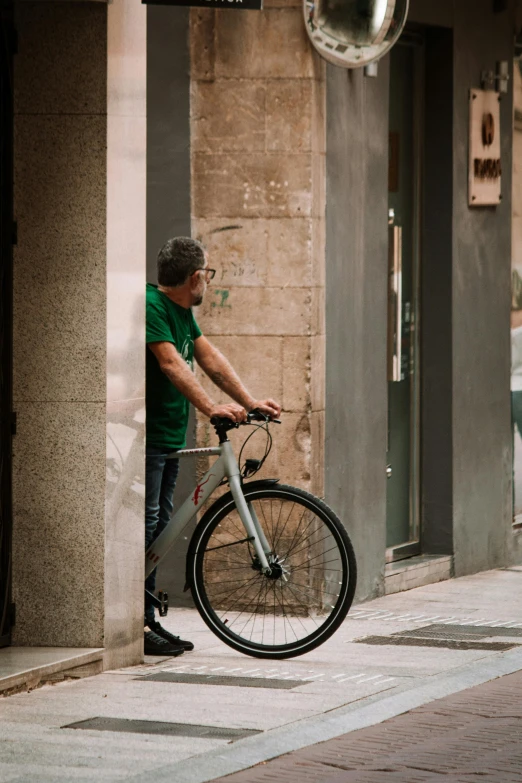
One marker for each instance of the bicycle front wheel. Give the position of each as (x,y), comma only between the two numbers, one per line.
(305,598)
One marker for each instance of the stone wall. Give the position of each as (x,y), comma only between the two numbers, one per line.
(60,80)
(258,172)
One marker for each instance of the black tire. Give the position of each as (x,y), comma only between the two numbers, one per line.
(219,550)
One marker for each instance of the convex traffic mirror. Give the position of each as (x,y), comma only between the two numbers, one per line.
(353,33)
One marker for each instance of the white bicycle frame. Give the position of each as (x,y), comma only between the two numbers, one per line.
(227,466)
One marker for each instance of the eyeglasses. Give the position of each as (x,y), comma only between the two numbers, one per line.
(209,273)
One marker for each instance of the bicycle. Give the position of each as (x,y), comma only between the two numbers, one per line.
(270,567)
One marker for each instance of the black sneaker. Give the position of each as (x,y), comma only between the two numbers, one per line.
(175,641)
(157,645)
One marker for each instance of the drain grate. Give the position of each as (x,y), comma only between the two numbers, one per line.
(460,632)
(160,727)
(449,644)
(209,679)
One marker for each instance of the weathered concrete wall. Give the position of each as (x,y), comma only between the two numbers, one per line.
(466,291)
(258,157)
(356,312)
(481,309)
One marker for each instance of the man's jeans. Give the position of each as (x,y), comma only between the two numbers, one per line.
(160,479)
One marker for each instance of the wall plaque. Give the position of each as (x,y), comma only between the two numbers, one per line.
(485,163)
(245,5)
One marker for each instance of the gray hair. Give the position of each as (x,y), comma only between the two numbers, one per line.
(179,258)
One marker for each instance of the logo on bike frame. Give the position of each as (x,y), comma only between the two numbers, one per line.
(199,491)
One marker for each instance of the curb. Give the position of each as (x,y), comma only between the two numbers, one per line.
(343,720)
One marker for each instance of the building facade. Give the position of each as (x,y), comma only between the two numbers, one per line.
(316,191)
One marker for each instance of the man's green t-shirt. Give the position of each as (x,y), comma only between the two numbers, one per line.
(167,408)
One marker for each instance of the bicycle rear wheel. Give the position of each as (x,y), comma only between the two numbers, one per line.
(311,588)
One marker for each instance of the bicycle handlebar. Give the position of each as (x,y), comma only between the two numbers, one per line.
(257,415)
(228,424)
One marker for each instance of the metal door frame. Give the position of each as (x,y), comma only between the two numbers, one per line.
(410,548)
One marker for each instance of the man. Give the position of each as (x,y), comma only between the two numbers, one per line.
(174,340)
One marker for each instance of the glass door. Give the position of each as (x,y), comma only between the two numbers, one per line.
(402,523)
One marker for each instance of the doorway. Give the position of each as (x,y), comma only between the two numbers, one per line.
(403,490)
(6,317)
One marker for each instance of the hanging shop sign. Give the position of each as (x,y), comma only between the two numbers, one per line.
(485,162)
(245,5)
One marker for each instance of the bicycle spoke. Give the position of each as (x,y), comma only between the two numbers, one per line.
(264,612)
(284,614)
(300,591)
(274,612)
(309,616)
(321,554)
(296,532)
(289,623)
(239,528)
(271,524)
(237,563)
(237,568)
(240,533)
(304,599)
(241,613)
(266,523)
(317,568)
(314,543)
(274,528)
(284,526)
(263,586)
(309,525)
(234,590)
(232,581)
(253,613)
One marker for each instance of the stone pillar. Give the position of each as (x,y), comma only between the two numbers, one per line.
(60,78)
(78,472)
(258,200)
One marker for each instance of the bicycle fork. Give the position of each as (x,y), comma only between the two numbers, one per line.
(251,523)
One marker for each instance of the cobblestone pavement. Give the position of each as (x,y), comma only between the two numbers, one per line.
(471,737)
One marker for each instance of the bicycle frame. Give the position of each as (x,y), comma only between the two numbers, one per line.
(227,466)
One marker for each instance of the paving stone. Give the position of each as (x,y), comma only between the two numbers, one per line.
(471,736)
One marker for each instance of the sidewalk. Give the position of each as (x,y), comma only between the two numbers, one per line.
(214,712)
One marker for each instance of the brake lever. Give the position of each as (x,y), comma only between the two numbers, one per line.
(267,420)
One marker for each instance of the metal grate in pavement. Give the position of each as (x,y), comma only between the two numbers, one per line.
(291,672)
(210,679)
(460,632)
(128,726)
(449,644)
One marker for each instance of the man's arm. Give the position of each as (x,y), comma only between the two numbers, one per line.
(221,372)
(181,376)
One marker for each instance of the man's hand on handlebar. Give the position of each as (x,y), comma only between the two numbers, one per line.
(229,411)
(268,407)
